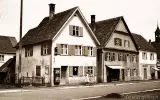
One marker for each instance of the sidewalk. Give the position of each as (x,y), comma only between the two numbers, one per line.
(29,89)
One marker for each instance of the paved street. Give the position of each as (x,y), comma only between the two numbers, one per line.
(78,92)
(151,95)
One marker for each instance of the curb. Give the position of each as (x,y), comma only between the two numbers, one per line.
(67,87)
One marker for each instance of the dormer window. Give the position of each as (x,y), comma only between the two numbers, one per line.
(117,41)
(75,31)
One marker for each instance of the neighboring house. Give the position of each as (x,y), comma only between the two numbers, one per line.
(117,54)
(7,72)
(7,56)
(62,49)
(7,49)
(147,58)
(156,45)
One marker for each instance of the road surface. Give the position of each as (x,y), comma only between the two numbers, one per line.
(79,92)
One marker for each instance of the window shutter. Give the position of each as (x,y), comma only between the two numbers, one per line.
(81,31)
(71,49)
(125,72)
(94,51)
(85,51)
(70,71)
(25,52)
(41,49)
(31,50)
(95,71)
(71,29)
(136,72)
(85,70)
(80,71)
(58,49)
(49,48)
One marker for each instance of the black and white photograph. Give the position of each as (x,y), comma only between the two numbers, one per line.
(79,50)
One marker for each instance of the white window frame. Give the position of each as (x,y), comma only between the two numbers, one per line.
(90,70)
(76,31)
(151,56)
(78,50)
(90,49)
(64,49)
(144,55)
(1,57)
(45,49)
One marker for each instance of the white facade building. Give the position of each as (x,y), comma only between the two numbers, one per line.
(62,49)
(147,58)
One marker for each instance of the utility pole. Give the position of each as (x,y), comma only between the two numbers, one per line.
(20,44)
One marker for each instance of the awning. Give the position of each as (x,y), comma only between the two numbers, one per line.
(155,68)
(116,67)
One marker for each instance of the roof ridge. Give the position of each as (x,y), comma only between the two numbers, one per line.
(7,36)
(108,19)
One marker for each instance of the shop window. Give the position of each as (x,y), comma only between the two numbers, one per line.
(75,70)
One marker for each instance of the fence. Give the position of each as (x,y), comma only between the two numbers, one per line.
(34,81)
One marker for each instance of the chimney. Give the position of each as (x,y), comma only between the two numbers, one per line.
(93,19)
(51,10)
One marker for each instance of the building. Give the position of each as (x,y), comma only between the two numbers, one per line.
(62,49)
(117,55)
(156,45)
(7,49)
(7,56)
(147,58)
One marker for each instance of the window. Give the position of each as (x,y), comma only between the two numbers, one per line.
(90,70)
(120,57)
(64,49)
(126,43)
(78,50)
(47,70)
(151,56)
(38,70)
(110,56)
(124,57)
(29,51)
(90,50)
(1,57)
(118,41)
(76,30)
(132,58)
(144,56)
(75,70)
(46,48)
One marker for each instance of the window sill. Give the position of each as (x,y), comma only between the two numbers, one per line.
(45,54)
(76,36)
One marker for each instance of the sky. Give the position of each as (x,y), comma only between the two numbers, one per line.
(141,16)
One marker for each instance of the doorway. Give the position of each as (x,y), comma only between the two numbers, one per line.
(64,74)
(145,73)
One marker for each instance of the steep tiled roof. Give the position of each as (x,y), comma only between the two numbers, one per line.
(142,43)
(103,29)
(4,67)
(7,44)
(47,29)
